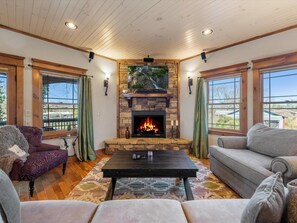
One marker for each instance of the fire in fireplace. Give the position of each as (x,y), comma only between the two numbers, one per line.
(148,124)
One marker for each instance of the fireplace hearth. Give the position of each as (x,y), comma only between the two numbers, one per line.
(149,124)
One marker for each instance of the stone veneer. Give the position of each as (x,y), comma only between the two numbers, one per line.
(147,104)
(113,145)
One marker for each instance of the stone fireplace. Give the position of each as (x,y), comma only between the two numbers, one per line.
(166,103)
(148,124)
(140,112)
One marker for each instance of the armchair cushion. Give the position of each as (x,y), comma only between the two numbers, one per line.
(232,142)
(10,209)
(40,162)
(272,142)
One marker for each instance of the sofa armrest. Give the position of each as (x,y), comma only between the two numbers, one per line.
(287,165)
(232,142)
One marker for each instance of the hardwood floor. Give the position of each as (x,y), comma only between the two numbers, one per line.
(55,186)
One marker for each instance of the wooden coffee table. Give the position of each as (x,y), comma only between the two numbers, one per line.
(165,163)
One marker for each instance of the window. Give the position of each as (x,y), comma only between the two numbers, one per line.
(60,103)
(11,89)
(55,97)
(226,99)
(3,98)
(275,94)
(223,103)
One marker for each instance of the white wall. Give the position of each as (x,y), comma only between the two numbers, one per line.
(104,107)
(274,45)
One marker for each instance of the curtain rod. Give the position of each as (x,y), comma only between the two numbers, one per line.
(42,68)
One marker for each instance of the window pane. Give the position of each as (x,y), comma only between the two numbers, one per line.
(280,99)
(224,103)
(3,98)
(60,103)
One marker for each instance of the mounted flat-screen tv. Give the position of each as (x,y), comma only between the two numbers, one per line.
(148,79)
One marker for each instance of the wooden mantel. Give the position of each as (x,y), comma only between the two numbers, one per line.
(130,96)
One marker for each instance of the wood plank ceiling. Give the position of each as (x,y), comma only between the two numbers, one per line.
(129,29)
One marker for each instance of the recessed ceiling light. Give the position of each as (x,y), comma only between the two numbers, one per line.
(207,32)
(71,25)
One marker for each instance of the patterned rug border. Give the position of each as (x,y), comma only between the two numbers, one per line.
(93,187)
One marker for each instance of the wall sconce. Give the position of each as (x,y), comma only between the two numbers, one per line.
(190,83)
(107,76)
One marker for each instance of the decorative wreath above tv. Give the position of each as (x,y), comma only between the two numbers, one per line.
(148,79)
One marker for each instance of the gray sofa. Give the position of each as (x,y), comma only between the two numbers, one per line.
(147,210)
(244,162)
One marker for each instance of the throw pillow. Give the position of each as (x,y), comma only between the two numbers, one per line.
(18,151)
(268,202)
(10,206)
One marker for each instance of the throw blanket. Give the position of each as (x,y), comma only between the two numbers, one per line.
(9,136)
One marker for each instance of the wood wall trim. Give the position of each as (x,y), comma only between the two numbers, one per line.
(244,41)
(275,61)
(178,94)
(52,41)
(223,71)
(14,60)
(51,66)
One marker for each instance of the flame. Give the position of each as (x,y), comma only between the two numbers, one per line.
(148,125)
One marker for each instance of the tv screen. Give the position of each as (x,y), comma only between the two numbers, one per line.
(148,78)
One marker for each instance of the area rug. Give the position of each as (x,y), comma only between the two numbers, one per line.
(205,186)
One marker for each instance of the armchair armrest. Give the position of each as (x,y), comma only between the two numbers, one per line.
(16,169)
(232,142)
(287,165)
(45,147)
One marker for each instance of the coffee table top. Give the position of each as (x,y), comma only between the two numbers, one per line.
(165,163)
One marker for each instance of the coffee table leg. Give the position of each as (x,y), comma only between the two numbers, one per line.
(188,190)
(111,188)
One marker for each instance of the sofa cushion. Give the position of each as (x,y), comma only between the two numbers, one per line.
(215,210)
(9,200)
(272,142)
(253,166)
(267,203)
(142,211)
(57,211)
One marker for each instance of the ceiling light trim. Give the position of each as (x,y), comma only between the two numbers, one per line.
(71,25)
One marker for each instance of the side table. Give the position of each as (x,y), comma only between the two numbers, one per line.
(70,148)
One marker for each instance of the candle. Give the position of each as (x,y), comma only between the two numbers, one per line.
(171,122)
(176,122)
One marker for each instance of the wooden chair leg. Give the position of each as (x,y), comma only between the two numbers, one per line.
(64,168)
(31,188)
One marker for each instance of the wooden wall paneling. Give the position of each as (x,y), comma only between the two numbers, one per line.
(37,98)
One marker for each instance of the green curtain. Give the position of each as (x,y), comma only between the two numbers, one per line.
(200,136)
(85,121)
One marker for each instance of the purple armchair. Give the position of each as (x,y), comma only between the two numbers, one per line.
(43,157)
